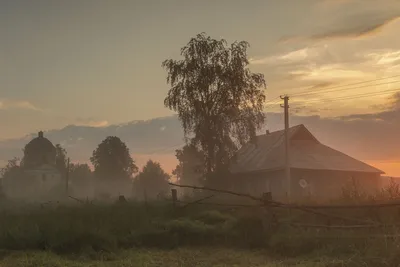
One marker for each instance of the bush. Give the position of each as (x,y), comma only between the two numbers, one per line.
(213,217)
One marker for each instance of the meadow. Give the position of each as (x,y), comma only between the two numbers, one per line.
(159,234)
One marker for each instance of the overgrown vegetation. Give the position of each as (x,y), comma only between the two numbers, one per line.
(103,231)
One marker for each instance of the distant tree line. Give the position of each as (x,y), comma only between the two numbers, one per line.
(111,162)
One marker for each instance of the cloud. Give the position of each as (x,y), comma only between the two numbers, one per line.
(388,57)
(91,122)
(395,101)
(353,26)
(332,3)
(329,73)
(356,27)
(9,104)
(390,115)
(334,64)
(317,66)
(291,57)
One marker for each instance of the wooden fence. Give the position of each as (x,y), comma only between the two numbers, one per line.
(324,211)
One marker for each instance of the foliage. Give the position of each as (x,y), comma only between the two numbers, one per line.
(190,167)
(11,169)
(352,191)
(391,191)
(103,230)
(61,159)
(152,180)
(218,99)
(80,174)
(112,160)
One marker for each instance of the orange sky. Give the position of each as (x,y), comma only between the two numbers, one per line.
(390,167)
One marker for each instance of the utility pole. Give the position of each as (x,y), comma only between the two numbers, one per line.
(67,178)
(287,148)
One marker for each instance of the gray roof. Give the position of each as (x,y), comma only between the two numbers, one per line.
(267,152)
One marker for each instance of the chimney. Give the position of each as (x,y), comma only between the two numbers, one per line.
(40,134)
(267,132)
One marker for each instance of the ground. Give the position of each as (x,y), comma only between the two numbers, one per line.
(149,258)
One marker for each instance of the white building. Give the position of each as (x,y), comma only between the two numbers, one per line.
(39,176)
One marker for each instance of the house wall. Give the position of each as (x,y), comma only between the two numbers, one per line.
(46,180)
(330,184)
(33,184)
(321,184)
(258,183)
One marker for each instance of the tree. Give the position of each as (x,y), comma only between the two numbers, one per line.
(11,175)
(152,180)
(12,169)
(61,159)
(190,167)
(218,99)
(80,174)
(111,160)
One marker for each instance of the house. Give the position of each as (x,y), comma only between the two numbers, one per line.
(316,169)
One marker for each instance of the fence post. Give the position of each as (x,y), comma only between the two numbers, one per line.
(267,198)
(174,197)
(270,217)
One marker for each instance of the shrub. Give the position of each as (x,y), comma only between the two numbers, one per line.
(213,217)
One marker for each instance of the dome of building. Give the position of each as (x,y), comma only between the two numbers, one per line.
(39,151)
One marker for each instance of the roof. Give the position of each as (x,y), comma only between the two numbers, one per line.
(267,152)
(40,144)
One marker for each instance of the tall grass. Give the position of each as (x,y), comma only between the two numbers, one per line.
(103,228)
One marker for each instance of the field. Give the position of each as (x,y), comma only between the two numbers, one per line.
(157,234)
(178,257)
(172,258)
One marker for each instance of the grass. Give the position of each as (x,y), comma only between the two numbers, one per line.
(178,257)
(155,234)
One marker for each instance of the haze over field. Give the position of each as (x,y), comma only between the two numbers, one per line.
(97,65)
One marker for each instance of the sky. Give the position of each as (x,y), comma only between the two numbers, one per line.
(97,63)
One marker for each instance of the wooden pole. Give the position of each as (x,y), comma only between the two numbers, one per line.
(174,196)
(67,178)
(287,148)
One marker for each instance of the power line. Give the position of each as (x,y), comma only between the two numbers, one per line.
(355,96)
(364,95)
(347,98)
(344,89)
(272,104)
(278,97)
(351,84)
